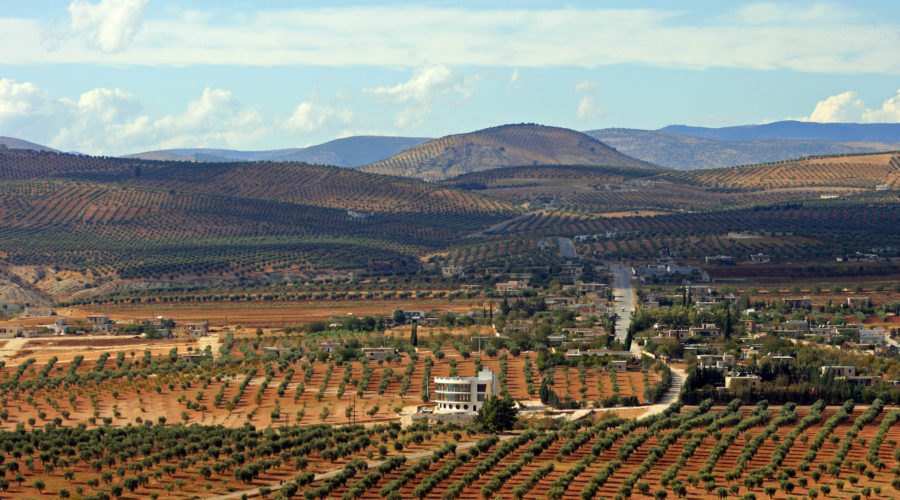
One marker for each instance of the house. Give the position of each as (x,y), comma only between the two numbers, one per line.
(733,381)
(464,394)
(782,359)
(798,303)
(866,380)
(760,258)
(453,270)
(619,365)
(192,356)
(196,328)
(707,330)
(584,288)
(99,323)
(719,259)
(839,370)
(674,333)
(330,346)
(278,351)
(715,359)
(857,301)
(11,331)
(380,353)
(874,336)
(511,287)
(795,324)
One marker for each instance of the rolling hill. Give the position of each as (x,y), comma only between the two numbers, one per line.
(795,131)
(839,173)
(13,143)
(504,146)
(684,152)
(129,218)
(346,152)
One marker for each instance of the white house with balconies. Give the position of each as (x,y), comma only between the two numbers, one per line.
(464,394)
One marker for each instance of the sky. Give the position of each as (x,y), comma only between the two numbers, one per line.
(113,77)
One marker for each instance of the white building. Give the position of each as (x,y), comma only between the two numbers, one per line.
(875,336)
(464,394)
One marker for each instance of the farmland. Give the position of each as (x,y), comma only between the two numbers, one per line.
(698,452)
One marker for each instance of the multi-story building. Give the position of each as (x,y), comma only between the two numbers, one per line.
(464,394)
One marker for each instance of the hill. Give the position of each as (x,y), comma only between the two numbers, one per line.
(141,219)
(13,143)
(346,152)
(684,152)
(504,146)
(840,173)
(795,131)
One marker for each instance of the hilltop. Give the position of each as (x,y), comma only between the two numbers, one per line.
(347,152)
(13,143)
(790,130)
(504,146)
(685,152)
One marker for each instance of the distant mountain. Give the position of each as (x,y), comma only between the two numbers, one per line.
(795,131)
(12,143)
(347,152)
(504,146)
(687,153)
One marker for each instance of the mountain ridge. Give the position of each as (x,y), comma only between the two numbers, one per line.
(502,146)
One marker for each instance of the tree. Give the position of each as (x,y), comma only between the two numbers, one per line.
(39,485)
(497,414)
(399,317)
(414,335)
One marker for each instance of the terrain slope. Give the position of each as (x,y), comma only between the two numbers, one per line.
(504,146)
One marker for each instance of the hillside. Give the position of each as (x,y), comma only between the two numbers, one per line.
(840,173)
(146,219)
(684,152)
(13,143)
(346,152)
(505,146)
(795,131)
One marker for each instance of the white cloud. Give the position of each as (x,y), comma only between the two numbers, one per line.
(309,116)
(588,109)
(108,25)
(112,121)
(889,112)
(812,38)
(428,86)
(847,107)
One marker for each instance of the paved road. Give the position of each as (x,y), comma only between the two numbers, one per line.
(624,300)
(567,248)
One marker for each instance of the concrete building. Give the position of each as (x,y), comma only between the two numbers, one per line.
(464,394)
(839,370)
(379,353)
(734,381)
(99,323)
(875,336)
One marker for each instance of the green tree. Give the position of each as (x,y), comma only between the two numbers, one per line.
(497,414)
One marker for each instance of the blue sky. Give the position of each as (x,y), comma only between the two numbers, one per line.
(120,76)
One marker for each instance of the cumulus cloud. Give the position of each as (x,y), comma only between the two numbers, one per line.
(108,25)
(113,121)
(309,116)
(848,107)
(427,86)
(588,109)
